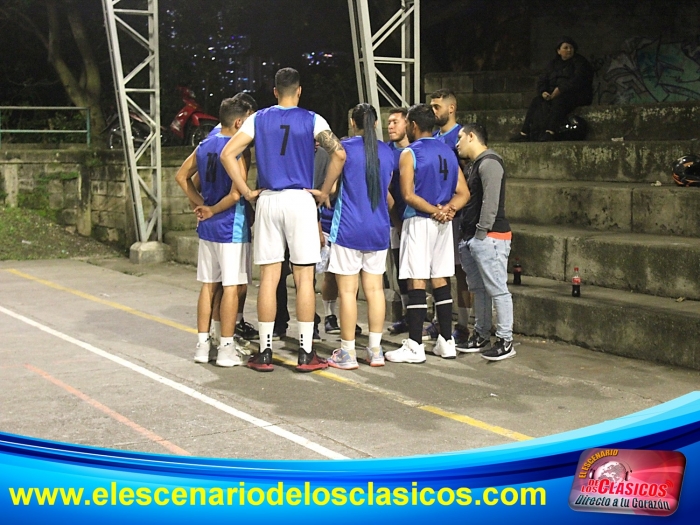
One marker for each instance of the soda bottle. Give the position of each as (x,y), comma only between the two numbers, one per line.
(576,284)
(517,272)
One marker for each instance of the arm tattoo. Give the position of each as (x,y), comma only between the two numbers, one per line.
(329,141)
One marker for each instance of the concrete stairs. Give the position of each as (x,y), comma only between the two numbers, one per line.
(607,205)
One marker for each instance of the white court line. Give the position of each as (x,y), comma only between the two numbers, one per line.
(184,389)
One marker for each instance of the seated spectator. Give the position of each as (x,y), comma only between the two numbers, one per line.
(565,84)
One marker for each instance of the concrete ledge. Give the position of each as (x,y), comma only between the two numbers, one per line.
(594,161)
(662,121)
(621,207)
(149,252)
(650,264)
(631,325)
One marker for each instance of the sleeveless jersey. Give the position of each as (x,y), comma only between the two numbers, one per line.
(436,172)
(284,148)
(355,224)
(451,138)
(230,225)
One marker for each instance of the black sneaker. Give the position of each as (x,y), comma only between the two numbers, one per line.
(279,332)
(331,325)
(317,335)
(358,329)
(501,350)
(247,331)
(309,361)
(262,361)
(474,344)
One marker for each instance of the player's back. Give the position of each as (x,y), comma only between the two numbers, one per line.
(435,173)
(284,148)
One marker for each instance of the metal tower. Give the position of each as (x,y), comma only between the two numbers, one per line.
(138,91)
(404,69)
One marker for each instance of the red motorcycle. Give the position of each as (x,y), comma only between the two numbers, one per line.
(191,125)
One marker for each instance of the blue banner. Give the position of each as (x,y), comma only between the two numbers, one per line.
(525,482)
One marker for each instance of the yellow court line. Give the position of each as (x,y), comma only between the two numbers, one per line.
(323,373)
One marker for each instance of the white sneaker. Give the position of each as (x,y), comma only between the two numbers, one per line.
(445,348)
(410,352)
(201,353)
(242,345)
(228,356)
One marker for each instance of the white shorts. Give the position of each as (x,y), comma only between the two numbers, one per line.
(395,238)
(346,261)
(228,263)
(284,219)
(426,249)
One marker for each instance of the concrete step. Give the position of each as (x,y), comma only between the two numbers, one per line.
(486,90)
(627,324)
(605,206)
(662,121)
(646,161)
(659,265)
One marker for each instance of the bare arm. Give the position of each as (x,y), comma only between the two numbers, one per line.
(336,152)
(228,157)
(184,179)
(408,185)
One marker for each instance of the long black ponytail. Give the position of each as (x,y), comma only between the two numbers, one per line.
(365,117)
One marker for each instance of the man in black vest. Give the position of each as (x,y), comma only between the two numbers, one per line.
(485,245)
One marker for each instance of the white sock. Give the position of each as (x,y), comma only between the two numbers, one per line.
(265,330)
(463,316)
(404,301)
(226,341)
(202,338)
(239,318)
(375,339)
(470,313)
(348,345)
(329,307)
(216,329)
(306,334)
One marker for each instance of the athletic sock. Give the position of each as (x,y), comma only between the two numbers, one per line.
(226,341)
(415,314)
(348,346)
(443,309)
(202,338)
(375,339)
(265,330)
(463,317)
(306,334)
(329,307)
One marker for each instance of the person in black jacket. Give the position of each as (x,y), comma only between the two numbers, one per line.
(565,84)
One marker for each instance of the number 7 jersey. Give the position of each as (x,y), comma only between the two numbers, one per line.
(284,146)
(435,173)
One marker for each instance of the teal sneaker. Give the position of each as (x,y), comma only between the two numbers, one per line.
(343,359)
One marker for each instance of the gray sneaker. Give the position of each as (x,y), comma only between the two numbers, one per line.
(375,356)
(474,344)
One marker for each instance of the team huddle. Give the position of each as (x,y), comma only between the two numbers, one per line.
(409,195)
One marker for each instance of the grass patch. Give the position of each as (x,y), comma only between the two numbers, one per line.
(26,234)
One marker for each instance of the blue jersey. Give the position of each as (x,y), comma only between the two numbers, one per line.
(327,217)
(230,225)
(435,173)
(284,148)
(355,224)
(451,138)
(395,186)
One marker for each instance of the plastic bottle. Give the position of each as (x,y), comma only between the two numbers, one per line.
(517,272)
(576,284)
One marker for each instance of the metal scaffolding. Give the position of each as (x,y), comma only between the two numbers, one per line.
(138,93)
(398,79)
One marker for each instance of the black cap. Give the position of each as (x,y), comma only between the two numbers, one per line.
(567,40)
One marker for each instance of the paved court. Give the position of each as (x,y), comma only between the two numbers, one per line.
(101,354)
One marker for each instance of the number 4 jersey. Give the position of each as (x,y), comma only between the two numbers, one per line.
(436,172)
(284,146)
(231,225)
